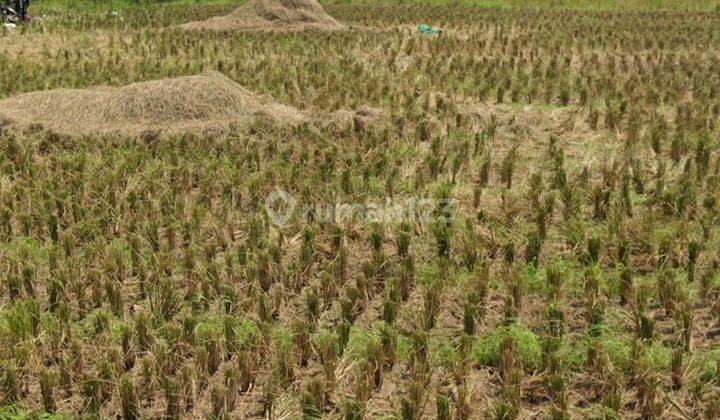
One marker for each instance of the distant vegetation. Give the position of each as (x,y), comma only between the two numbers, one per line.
(618,5)
(589,5)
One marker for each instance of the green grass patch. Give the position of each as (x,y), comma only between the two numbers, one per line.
(357,346)
(618,345)
(25,249)
(443,351)
(532,280)
(99,321)
(705,364)
(486,349)
(357,343)
(13,412)
(245,330)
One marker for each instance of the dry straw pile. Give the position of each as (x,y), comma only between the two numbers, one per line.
(201,103)
(272,16)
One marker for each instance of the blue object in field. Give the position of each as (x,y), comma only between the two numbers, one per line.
(427,29)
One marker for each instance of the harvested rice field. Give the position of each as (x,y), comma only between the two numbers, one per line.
(283,209)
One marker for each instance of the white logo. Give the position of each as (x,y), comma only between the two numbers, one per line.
(279,206)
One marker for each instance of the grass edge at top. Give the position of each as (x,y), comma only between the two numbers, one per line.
(577,5)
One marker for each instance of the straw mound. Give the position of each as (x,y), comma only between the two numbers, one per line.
(272,16)
(202,103)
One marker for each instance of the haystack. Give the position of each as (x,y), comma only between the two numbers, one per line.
(203,103)
(272,16)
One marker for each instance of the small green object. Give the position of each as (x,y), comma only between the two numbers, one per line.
(427,29)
